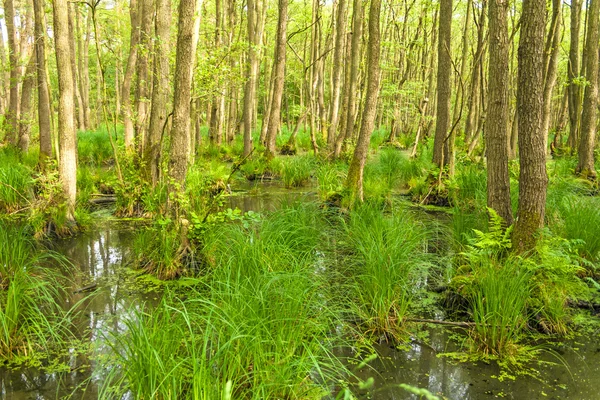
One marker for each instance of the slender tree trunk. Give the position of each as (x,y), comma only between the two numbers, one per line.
(4,75)
(496,124)
(473,104)
(255,32)
(533,179)
(589,118)
(279,80)
(82,67)
(45,126)
(135,11)
(67,166)
(187,39)
(26,118)
(357,21)
(573,73)
(142,77)
(12,113)
(354,182)
(79,115)
(160,89)
(338,69)
(441,153)
(551,65)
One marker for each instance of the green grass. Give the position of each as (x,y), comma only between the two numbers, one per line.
(294,171)
(330,178)
(94,148)
(32,322)
(256,326)
(387,264)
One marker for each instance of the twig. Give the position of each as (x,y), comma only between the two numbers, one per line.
(438,322)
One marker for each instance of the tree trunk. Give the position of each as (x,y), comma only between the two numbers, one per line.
(142,80)
(12,112)
(338,69)
(279,80)
(255,33)
(67,166)
(357,21)
(589,118)
(135,11)
(187,39)
(533,179)
(44,122)
(551,65)
(473,104)
(354,182)
(441,153)
(160,89)
(573,73)
(79,115)
(496,124)
(26,118)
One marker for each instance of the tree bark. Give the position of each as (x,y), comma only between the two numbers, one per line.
(279,80)
(573,73)
(589,118)
(79,115)
(187,39)
(26,118)
(255,33)
(135,8)
(496,124)
(12,112)
(67,166)
(530,103)
(44,122)
(551,65)
(473,104)
(160,89)
(441,153)
(357,21)
(354,182)
(338,69)
(142,81)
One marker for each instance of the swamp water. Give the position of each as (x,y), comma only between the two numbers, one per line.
(102,257)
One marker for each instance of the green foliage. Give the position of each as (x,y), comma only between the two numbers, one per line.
(330,178)
(256,326)
(507,292)
(157,249)
(15,184)
(387,264)
(294,171)
(579,219)
(32,322)
(93,147)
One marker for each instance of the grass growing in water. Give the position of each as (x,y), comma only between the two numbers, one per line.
(389,259)
(32,323)
(257,326)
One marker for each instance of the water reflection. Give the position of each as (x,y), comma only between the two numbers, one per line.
(99,258)
(421,366)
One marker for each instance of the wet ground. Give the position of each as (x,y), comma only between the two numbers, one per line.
(102,257)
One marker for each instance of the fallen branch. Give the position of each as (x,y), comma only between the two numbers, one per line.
(438,322)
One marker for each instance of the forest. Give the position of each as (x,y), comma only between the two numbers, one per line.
(252,199)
